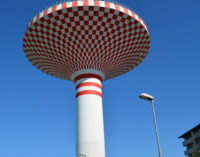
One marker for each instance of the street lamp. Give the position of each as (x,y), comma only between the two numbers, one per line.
(148,97)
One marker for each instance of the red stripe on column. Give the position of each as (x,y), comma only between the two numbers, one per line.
(88,84)
(87,76)
(89,92)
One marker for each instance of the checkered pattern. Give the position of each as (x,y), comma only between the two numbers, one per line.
(90,34)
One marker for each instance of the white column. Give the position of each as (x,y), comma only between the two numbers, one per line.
(90,130)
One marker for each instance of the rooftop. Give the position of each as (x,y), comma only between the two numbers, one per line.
(188,132)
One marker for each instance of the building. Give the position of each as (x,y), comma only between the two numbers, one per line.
(192,142)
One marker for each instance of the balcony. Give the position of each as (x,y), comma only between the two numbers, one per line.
(197,134)
(198,146)
(189,140)
(189,151)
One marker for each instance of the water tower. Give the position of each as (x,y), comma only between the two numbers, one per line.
(87,42)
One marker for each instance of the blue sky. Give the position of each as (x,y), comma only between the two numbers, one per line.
(37,111)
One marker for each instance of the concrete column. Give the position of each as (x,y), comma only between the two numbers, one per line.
(90,129)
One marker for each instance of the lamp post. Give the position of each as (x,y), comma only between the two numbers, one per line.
(148,97)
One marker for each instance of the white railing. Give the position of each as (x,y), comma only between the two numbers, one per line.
(63,1)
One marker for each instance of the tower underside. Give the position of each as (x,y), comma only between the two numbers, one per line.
(80,35)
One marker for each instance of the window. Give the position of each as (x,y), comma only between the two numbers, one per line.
(197,140)
(187,136)
(190,145)
(195,130)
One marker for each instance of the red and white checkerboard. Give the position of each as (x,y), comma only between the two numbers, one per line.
(88,34)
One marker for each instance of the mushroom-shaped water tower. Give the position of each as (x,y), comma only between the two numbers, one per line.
(87,42)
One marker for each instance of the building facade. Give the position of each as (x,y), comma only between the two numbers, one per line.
(192,142)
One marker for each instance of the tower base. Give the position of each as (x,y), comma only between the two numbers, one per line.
(90,128)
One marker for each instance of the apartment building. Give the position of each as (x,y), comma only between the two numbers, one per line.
(192,142)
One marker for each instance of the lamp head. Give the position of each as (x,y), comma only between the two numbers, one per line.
(146,97)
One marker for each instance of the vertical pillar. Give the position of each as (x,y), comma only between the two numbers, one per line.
(90,129)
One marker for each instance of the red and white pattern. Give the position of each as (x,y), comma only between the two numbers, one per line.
(87,34)
(88,84)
